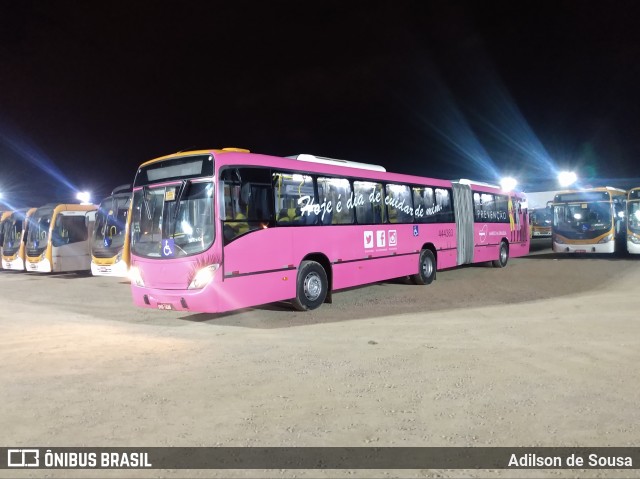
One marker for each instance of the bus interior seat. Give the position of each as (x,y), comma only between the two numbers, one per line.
(290,216)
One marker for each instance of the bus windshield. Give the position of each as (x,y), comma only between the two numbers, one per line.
(12,234)
(582,220)
(541,217)
(111,222)
(172,221)
(634,216)
(38,232)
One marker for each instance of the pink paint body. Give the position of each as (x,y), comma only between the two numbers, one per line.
(261,266)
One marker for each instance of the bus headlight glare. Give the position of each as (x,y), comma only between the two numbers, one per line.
(203,277)
(557,239)
(135,276)
(634,239)
(606,239)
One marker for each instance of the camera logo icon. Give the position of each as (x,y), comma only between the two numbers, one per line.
(23,458)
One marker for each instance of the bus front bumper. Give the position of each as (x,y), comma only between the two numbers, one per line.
(633,248)
(196,300)
(16,264)
(42,266)
(119,269)
(608,247)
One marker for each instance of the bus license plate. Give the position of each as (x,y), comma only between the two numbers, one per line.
(165,306)
(581,251)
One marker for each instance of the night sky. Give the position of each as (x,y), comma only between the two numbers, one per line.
(447,89)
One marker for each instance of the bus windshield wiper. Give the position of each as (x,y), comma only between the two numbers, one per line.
(145,201)
(183,187)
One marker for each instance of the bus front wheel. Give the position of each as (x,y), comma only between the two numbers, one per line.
(311,286)
(503,256)
(426,268)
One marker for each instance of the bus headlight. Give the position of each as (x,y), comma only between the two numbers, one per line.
(634,239)
(203,277)
(557,239)
(119,256)
(135,276)
(606,239)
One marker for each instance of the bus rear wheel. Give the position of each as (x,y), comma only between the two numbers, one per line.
(503,256)
(311,286)
(426,268)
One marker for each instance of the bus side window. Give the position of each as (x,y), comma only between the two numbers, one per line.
(399,203)
(294,199)
(369,198)
(424,202)
(76,229)
(246,201)
(444,206)
(334,193)
(502,208)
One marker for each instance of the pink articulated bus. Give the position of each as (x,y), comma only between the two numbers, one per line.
(219,230)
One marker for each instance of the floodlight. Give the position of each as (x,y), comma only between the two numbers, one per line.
(567,178)
(508,184)
(84,197)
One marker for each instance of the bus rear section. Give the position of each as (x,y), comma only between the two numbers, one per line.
(110,240)
(272,229)
(500,225)
(15,231)
(589,221)
(58,238)
(633,221)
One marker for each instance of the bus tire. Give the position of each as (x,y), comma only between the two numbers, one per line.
(311,286)
(503,256)
(426,268)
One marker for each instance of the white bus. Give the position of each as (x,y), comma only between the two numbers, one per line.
(58,238)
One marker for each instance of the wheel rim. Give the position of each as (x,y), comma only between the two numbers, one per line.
(427,267)
(503,255)
(312,286)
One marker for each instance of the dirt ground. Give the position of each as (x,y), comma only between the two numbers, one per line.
(542,353)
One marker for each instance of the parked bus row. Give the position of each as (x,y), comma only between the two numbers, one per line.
(57,238)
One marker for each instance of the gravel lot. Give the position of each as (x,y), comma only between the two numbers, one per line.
(542,353)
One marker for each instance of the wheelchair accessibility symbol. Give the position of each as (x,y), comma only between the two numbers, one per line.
(167,248)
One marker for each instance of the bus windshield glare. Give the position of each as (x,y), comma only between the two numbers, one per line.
(582,220)
(541,217)
(38,234)
(111,222)
(634,216)
(12,233)
(173,221)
